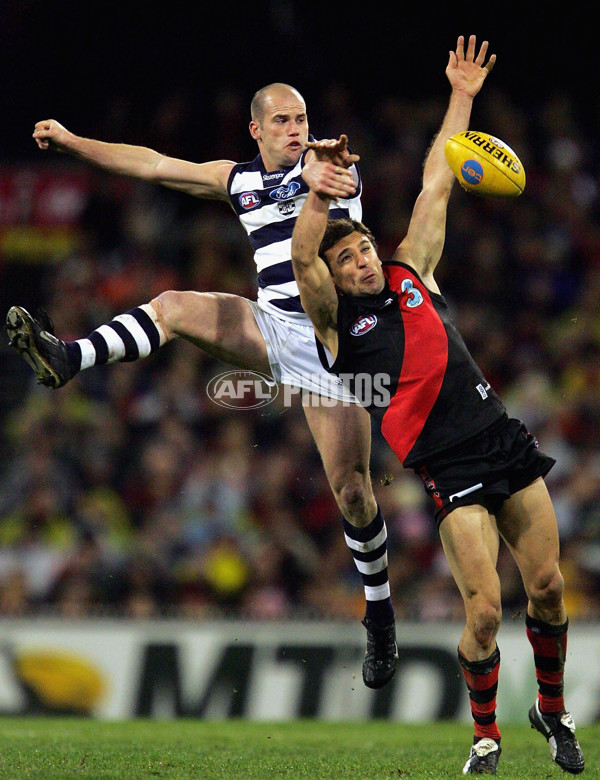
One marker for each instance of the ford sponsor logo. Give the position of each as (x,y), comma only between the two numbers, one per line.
(285,191)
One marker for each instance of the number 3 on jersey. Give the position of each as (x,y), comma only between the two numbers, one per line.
(414,297)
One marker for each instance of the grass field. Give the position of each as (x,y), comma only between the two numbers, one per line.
(56,749)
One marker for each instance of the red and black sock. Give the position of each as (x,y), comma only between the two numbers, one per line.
(482,681)
(549,645)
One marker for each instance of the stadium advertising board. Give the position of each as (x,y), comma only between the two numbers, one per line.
(264,671)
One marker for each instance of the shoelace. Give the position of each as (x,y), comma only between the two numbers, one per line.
(560,726)
(44,320)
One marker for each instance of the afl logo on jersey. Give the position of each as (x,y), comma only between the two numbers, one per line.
(285,191)
(363,325)
(248,200)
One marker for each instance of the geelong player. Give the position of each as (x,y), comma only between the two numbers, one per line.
(440,416)
(272,335)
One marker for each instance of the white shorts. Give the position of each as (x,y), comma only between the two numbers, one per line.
(293,355)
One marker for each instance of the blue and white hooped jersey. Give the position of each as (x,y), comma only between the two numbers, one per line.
(267,205)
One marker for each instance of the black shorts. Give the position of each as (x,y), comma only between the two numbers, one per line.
(485,470)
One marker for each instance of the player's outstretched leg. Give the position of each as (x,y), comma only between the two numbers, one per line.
(127,337)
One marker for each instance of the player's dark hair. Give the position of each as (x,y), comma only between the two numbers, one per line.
(340,228)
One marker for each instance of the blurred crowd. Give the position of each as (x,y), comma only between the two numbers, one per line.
(130,492)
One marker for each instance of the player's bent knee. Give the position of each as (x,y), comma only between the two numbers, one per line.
(169,302)
(171,309)
(355,498)
(484,619)
(353,493)
(547,590)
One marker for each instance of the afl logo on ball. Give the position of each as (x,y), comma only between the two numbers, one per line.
(363,325)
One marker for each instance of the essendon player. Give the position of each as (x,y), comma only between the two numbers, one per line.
(483,468)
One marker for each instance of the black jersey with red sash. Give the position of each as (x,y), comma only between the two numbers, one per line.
(423,387)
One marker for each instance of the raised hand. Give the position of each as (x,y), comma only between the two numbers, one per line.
(327,172)
(465,70)
(334,151)
(50,134)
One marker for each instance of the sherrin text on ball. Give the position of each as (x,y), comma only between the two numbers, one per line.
(485,165)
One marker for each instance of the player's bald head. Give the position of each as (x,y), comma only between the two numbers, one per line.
(272,94)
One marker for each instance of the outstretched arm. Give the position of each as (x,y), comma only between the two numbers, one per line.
(328,178)
(203,180)
(424,242)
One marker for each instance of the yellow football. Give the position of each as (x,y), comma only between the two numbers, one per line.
(485,165)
